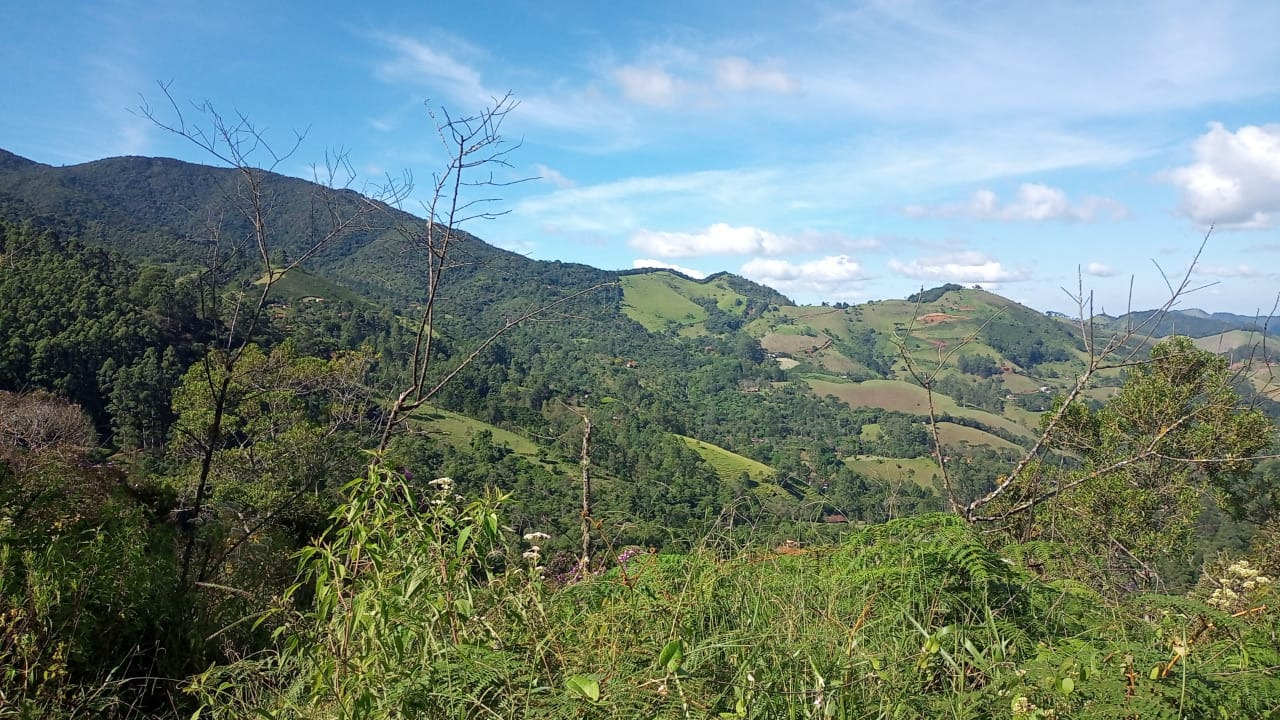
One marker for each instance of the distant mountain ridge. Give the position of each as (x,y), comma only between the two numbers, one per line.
(1193,322)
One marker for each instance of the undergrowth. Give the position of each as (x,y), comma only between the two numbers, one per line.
(417,604)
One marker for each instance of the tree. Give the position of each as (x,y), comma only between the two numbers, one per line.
(1124,480)
(1130,476)
(233,299)
(473,144)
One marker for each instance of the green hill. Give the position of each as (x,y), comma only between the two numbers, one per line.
(729,465)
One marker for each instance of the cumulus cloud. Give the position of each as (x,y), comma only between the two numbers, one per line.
(1235,179)
(648,85)
(719,239)
(835,276)
(1097,269)
(962,267)
(739,75)
(648,263)
(1034,202)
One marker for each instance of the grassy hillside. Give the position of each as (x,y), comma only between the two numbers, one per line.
(1228,341)
(905,397)
(729,465)
(956,436)
(657,300)
(460,431)
(661,300)
(921,471)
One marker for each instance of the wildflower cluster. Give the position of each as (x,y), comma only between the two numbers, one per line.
(534,554)
(1240,581)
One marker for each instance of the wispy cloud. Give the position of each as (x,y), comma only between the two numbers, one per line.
(1235,179)
(739,75)
(1062,60)
(1097,269)
(1230,271)
(1034,202)
(553,176)
(648,85)
(427,65)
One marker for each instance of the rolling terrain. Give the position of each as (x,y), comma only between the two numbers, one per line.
(723,368)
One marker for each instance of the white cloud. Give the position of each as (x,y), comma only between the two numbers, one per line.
(1097,269)
(962,267)
(553,176)
(1034,202)
(1229,271)
(648,85)
(835,277)
(739,74)
(1061,60)
(648,263)
(719,239)
(423,64)
(1235,179)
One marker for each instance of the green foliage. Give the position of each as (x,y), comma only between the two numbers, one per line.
(977,364)
(86,593)
(1175,431)
(933,294)
(419,612)
(86,324)
(1029,339)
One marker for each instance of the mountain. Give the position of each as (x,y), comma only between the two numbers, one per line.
(695,381)
(1192,323)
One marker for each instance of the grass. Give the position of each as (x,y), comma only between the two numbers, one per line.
(729,465)
(915,618)
(922,471)
(460,430)
(956,436)
(299,285)
(657,299)
(908,398)
(1228,341)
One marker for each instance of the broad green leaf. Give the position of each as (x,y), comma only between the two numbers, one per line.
(672,655)
(587,686)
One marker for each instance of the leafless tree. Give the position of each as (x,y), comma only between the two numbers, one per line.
(237,313)
(462,191)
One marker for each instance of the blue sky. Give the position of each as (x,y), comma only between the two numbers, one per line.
(835,151)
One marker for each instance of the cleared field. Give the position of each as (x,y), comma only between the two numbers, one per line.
(297,285)
(905,397)
(652,299)
(728,465)
(1228,341)
(460,430)
(1015,383)
(955,436)
(1266,380)
(657,298)
(922,471)
(790,343)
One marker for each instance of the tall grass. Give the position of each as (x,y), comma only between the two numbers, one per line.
(416,604)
